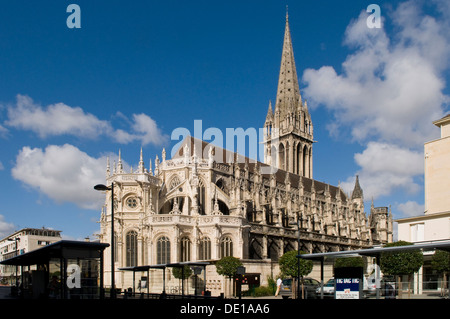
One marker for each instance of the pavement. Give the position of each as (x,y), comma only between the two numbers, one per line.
(5,293)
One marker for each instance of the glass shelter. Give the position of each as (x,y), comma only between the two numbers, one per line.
(62,270)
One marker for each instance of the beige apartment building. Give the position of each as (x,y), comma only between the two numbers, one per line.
(20,242)
(434,224)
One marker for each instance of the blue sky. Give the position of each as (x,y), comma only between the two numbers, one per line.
(136,71)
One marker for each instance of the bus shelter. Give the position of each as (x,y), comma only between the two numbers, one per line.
(62,270)
(180,265)
(373,252)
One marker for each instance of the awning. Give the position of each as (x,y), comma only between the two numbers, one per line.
(60,249)
(375,252)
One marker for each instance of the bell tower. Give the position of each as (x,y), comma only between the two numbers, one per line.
(288,137)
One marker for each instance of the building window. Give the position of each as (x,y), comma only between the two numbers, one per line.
(132,202)
(116,247)
(185,249)
(226,247)
(163,250)
(417,232)
(201,197)
(131,246)
(205,249)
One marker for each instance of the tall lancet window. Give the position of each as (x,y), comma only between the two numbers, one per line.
(185,249)
(163,250)
(131,247)
(205,249)
(202,197)
(116,247)
(281,157)
(226,247)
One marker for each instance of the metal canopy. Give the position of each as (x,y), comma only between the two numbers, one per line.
(60,249)
(375,252)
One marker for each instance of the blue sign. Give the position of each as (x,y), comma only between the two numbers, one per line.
(347,288)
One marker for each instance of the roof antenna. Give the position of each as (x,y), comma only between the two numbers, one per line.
(287,13)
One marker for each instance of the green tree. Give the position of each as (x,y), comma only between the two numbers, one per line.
(289,266)
(401,263)
(227,266)
(178,272)
(349,262)
(441,263)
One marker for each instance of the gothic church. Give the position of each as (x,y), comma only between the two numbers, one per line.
(206,203)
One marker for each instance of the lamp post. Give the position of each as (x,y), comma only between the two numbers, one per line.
(101,187)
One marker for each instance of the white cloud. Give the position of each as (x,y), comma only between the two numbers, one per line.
(60,119)
(5,227)
(389,93)
(379,157)
(144,129)
(385,168)
(411,208)
(63,173)
(55,119)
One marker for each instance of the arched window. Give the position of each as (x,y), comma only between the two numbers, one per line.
(226,247)
(185,249)
(163,250)
(305,162)
(299,159)
(286,157)
(281,157)
(201,197)
(116,247)
(204,252)
(131,247)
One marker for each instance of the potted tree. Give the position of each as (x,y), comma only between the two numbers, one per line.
(401,263)
(291,266)
(228,266)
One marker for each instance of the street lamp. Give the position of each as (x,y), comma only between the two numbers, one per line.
(101,187)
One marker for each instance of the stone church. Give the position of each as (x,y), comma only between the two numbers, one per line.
(206,202)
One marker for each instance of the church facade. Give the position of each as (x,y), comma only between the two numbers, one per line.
(206,203)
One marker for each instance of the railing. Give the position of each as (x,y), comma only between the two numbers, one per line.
(432,289)
(202,220)
(178,295)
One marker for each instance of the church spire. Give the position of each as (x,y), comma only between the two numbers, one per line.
(269,116)
(288,88)
(357,190)
(291,124)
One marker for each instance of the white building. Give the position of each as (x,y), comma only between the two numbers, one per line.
(434,224)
